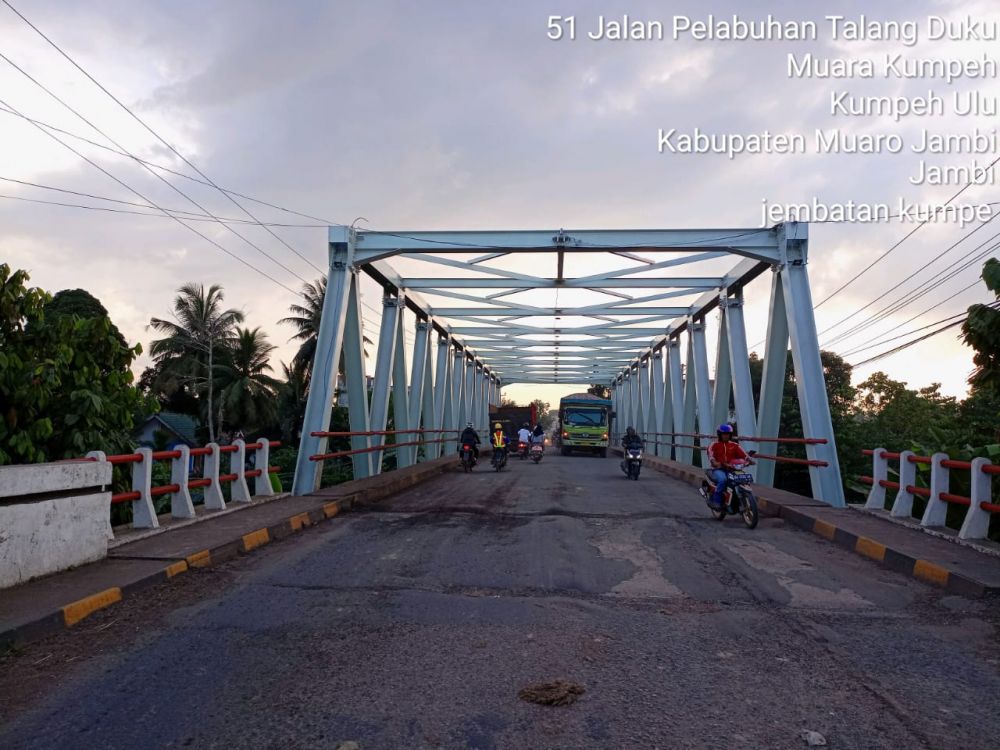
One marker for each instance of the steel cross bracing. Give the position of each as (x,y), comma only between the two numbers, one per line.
(507,307)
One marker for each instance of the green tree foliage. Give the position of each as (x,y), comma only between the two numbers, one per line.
(82,304)
(246,391)
(65,379)
(981,331)
(189,353)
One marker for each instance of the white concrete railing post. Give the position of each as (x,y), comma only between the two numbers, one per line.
(240,493)
(143,510)
(213,493)
(977,520)
(181,505)
(937,509)
(880,472)
(262,460)
(102,457)
(902,507)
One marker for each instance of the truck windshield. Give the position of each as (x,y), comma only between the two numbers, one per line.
(583,417)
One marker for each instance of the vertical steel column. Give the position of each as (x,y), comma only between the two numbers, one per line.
(383,373)
(357,381)
(723,372)
(458,389)
(477,392)
(641,395)
(329,343)
(742,384)
(469,377)
(673,397)
(408,455)
(809,379)
(484,404)
(400,392)
(772,386)
(442,393)
(657,406)
(690,412)
(702,386)
(429,420)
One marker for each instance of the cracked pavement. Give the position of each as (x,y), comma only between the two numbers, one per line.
(414,623)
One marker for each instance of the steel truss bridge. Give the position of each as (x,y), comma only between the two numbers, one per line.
(577,317)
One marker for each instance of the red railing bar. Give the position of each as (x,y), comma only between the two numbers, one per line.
(200,451)
(126,458)
(956,499)
(228,477)
(162,455)
(952,464)
(990,507)
(787,460)
(274,470)
(375,432)
(919,459)
(124,497)
(254,473)
(227,449)
(885,454)
(341,454)
(164,490)
(275,444)
(195,483)
(921,491)
(888,485)
(866,480)
(991,469)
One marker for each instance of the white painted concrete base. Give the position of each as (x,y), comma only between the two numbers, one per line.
(42,536)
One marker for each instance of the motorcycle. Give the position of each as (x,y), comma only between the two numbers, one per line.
(537,451)
(632,463)
(738,499)
(468,457)
(522,450)
(499,459)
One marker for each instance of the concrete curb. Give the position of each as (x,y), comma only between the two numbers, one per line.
(355,493)
(795,509)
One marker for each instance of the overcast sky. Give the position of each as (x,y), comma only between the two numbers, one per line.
(448,115)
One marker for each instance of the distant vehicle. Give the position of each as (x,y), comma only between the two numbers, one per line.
(584,422)
(537,451)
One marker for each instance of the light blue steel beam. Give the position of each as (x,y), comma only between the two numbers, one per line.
(391,314)
(400,393)
(408,454)
(772,386)
(703,389)
(723,374)
(656,401)
(689,414)
(742,384)
(357,381)
(329,343)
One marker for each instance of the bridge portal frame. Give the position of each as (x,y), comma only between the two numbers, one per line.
(489,345)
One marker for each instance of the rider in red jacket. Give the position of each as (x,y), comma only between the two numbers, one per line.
(722,454)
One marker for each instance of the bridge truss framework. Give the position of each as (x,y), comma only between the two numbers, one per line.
(629,335)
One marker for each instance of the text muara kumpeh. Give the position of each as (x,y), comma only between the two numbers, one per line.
(838,28)
(857,212)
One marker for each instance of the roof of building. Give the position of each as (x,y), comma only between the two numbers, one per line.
(182,425)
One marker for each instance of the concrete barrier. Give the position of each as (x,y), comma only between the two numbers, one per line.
(52,517)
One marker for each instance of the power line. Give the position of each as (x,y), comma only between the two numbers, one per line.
(894,246)
(152,172)
(156,135)
(178,219)
(908,344)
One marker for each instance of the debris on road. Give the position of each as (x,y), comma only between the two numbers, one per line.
(558,693)
(813,739)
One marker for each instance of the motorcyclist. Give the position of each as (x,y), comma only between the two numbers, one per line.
(469,437)
(630,439)
(499,440)
(721,455)
(538,435)
(524,435)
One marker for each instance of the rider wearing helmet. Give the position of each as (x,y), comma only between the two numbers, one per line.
(630,439)
(721,454)
(524,434)
(469,437)
(498,438)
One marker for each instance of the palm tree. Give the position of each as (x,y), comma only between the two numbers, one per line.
(200,330)
(246,392)
(306,319)
(292,401)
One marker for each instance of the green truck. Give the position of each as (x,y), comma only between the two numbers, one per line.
(584,423)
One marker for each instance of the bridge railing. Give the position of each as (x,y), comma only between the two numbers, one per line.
(779,459)
(979,503)
(238,478)
(434,447)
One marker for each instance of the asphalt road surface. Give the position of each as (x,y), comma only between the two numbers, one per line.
(415,623)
